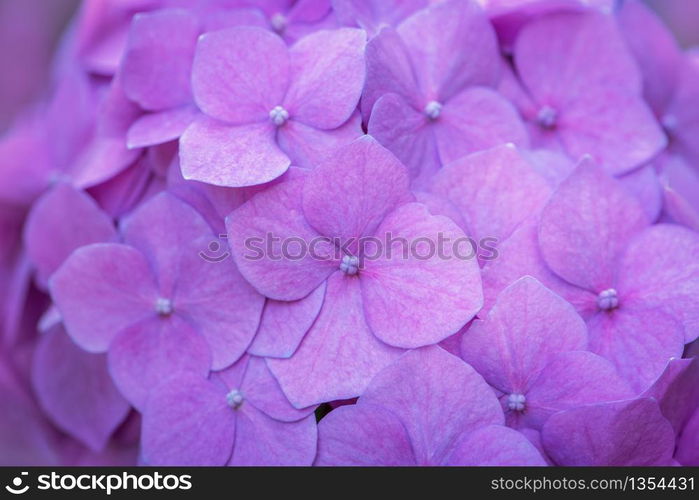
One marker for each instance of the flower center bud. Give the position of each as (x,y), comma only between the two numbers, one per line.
(669,123)
(163,306)
(433,110)
(235,399)
(516,402)
(278,115)
(349,265)
(546,117)
(278,22)
(608,300)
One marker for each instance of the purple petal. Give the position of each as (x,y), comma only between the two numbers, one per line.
(219,154)
(654,277)
(440,398)
(144,355)
(495,191)
(677,391)
(327,77)
(477,119)
(403,130)
(76,390)
(389,71)
(307,146)
(527,326)
(363,435)
(263,441)
(638,341)
(432,34)
(256,231)
(284,324)
(586,225)
(232,83)
(160,127)
(363,163)
(494,445)
(403,282)
(624,433)
(187,422)
(339,355)
(100,290)
(569,380)
(157,63)
(59,222)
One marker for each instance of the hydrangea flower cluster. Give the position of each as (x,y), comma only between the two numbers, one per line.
(354,232)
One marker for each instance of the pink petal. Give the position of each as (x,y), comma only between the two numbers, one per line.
(564,56)
(174,421)
(452,45)
(372,15)
(688,445)
(638,341)
(585,226)
(477,119)
(405,132)
(644,185)
(263,441)
(495,191)
(216,153)
(616,128)
(144,355)
(160,127)
(339,355)
(157,63)
(231,82)
(652,277)
(440,398)
(569,380)
(307,146)
(389,71)
(76,390)
(101,289)
(214,298)
(527,326)
(655,49)
(284,324)
(277,213)
(62,220)
(261,390)
(519,256)
(363,435)
(327,77)
(404,281)
(494,445)
(677,391)
(370,181)
(624,433)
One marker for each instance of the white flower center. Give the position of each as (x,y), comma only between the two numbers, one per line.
(278,115)
(235,399)
(546,118)
(278,22)
(163,306)
(608,299)
(433,110)
(349,265)
(669,123)
(516,402)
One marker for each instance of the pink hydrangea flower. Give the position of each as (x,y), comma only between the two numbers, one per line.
(371,307)
(258,118)
(142,300)
(427,408)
